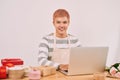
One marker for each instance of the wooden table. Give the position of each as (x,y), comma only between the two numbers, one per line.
(60,76)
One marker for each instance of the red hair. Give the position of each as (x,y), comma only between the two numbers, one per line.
(61,13)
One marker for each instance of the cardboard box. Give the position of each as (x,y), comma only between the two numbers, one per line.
(47,70)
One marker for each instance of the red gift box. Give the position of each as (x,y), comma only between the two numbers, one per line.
(3,72)
(14,61)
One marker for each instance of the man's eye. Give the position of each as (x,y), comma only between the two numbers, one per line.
(65,22)
(58,22)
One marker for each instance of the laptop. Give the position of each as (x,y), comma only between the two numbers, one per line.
(87,60)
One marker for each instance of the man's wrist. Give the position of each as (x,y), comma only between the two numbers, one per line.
(58,68)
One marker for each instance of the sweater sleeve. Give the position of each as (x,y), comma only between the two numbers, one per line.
(44,54)
(78,44)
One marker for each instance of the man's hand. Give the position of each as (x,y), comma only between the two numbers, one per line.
(63,66)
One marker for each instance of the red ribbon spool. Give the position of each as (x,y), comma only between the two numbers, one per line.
(3,73)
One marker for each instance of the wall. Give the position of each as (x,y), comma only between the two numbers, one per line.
(117,58)
(24,22)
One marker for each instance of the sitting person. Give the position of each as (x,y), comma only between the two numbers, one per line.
(56,45)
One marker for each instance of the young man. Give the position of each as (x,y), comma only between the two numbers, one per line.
(56,45)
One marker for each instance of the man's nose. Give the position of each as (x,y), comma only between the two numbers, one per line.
(61,24)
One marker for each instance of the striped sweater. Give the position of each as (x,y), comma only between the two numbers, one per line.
(47,45)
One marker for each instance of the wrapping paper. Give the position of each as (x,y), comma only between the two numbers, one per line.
(47,70)
(34,75)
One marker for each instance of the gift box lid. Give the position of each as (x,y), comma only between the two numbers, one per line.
(14,61)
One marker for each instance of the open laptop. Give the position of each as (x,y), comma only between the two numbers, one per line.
(87,60)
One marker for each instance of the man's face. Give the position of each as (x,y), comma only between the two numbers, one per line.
(61,25)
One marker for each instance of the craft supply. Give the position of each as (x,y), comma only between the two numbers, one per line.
(27,69)
(47,70)
(16,72)
(3,72)
(34,75)
(14,61)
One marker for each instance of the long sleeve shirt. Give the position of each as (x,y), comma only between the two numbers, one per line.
(47,44)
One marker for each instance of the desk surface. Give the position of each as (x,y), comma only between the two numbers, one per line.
(60,76)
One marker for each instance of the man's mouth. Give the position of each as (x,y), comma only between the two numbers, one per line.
(61,29)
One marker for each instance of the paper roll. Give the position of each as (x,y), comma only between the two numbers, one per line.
(15,73)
